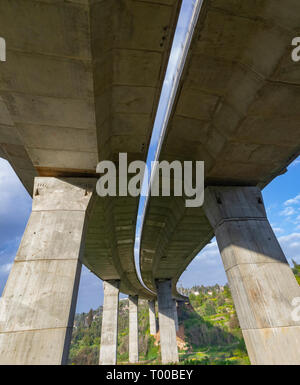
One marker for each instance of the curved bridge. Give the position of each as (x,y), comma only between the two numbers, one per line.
(81,84)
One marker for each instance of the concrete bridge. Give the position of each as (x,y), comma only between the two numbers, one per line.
(81,84)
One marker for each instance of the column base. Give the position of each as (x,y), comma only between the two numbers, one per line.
(270,346)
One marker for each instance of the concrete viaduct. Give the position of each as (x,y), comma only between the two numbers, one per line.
(81,84)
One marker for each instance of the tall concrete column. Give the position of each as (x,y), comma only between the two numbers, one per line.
(38,303)
(261,281)
(152,318)
(133,329)
(175,315)
(168,344)
(109,329)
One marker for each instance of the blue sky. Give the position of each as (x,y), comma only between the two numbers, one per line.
(281,196)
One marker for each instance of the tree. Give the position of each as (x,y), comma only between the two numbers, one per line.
(89,318)
(210,308)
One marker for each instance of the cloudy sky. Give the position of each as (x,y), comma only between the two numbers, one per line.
(281,197)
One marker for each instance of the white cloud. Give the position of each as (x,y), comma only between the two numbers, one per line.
(206,269)
(278,230)
(210,255)
(288,211)
(293,201)
(4,269)
(291,245)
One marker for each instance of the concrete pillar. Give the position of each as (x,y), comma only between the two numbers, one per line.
(168,344)
(261,282)
(175,315)
(38,303)
(152,318)
(109,330)
(133,329)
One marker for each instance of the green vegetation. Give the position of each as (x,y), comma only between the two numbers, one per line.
(211,328)
(85,343)
(209,331)
(296,271)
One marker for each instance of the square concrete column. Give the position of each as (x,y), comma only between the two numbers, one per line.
(152,318)
(38,303)
(175,315)
(168,343)
(261,281)
(133,329)
(109,329)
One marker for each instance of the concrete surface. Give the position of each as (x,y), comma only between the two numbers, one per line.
(133,329)
(152,318)
(236,110)
(38,303)
(168,344)
(261,281)
(175,315)
(109,330)
(81,85)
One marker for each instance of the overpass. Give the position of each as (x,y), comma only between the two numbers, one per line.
(82,84)
(237,109)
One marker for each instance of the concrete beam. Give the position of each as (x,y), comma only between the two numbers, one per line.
(237,129)
(169,351)
(133,329)
(175,315)
(261,281)
(38,303)
(109,330)
(152,318)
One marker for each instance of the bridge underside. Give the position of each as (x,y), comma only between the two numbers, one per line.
(81,84)
(237,109)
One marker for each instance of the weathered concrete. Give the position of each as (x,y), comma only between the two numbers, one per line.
(109,330)
(237,74)
(168,344)
(261,282)
(38,303)
(152,317)
(175,315)
(81,85)
(133,329)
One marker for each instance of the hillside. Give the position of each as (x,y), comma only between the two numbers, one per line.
(209,331)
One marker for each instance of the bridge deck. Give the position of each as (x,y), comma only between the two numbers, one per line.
(237,109)
(81,83)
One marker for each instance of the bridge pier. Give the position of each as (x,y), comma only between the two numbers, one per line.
(169,351)
(152,317)
(39,300)
(175,315)
(261,281)
(109,329)
(133,329)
